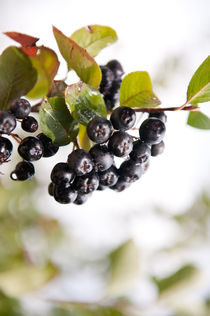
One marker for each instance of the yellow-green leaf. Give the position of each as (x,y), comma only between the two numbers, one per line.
(198,120)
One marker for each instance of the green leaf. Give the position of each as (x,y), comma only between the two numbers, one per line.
(184,274)
(136,91)
(94,38)
(9,306)
(56,121)
(78,59)
(77,310)
(198,120)
(84,140)
(17,75)
(84,102)
(124,265)
(199,87)
(46,64)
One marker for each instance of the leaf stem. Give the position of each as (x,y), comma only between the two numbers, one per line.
(16,137)
(183,107)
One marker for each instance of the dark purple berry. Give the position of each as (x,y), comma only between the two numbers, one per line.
(108,177)
(49,148)
(30,148)
(129,171)
(102,157)
(120,186)
(101,187)
(23,171)
(160,115)
(115,66)
(61,173)
(64,194)
(82,198)
(99,130)
(152,131)
(80,161)
(123,118)
(29,124)
(51,189)
(7,122)
(141,152)
(107,79)
(157,149)
(120,144)
(5,149)
(20,108)
(87,183)
(112,96)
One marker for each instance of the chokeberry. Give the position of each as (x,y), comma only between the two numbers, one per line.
(120,144)
(30,148)
(101,187)
(129,171)
(29,124)
(82,198)
(108,177)
(61,173)
(5,149)
(99,130)
(141,152)
(102,157)
(115,66)
(112,96)
(120,186)
(49,148)
(64,194)
(87,183)
(80,161)
(51,187)
(152,131)
(123,118)
(160,115)
(106,81)
(20,108)
(23,171)
(157,149)
(7,122)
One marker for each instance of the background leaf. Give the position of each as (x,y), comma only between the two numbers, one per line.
(136,91)
(199,87)
(46,64)
(78,59)
(84,140)
(199,120)
(94,38)
(56,121)
(84,102)
(24,39)
(17,75)
(9,306)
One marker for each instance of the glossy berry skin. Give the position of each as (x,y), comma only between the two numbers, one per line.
(102,157)
(61,173)
(99,130)
(120,144)
(29,124)
(87,183)
(23,171)
(49,148)
(5,149)
(160,115)
(64,194)
(129,171)
(51,187)
(115,66)
(30,148)
(20,108)
(7,122)
(152,131)
(107,79)
(112,96)
(80,161)
(123,118)
(157,149)
(120,186)
(141,152)
(108,177)
(101,187)
(82,198)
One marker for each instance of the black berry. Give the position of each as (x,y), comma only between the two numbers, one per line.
(129,171)
(108,177)
(160,115)
(29,124)
(61,173)
(7,122)
(23,171)
(112,96)
(115,66)
(141,152)
(30,148)
(102,157)
(64,194)
(87,183)
(20,108)
(107,79)
(51,187)
(157,149)
(49,148)
(99,130)
(5,149)
(80,161)
(120,186)
(152,131)
(101,187)
(82,198)
(123,118)
(120,144)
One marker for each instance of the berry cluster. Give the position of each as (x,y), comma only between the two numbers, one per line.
(30,148)
(84,172)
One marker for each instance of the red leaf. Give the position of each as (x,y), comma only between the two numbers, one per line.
(23,39)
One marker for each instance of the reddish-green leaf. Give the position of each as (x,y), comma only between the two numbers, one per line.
(23,39)
(78,59)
